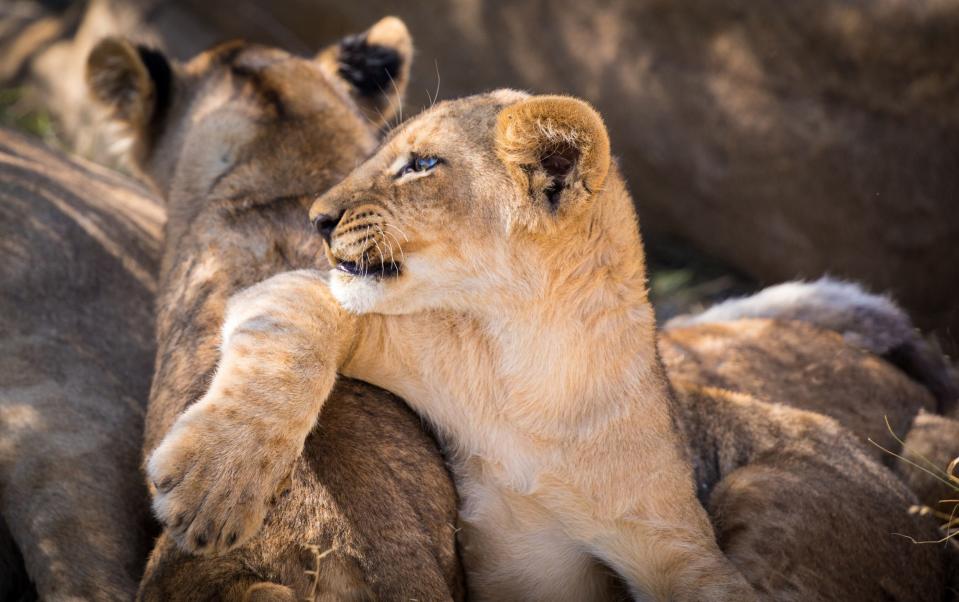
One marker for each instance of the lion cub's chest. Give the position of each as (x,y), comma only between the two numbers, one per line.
(497,417)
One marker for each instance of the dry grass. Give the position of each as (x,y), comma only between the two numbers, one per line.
(949,521)
(315,573)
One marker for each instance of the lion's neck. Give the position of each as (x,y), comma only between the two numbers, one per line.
(579,370)
(572,356)
(583,340)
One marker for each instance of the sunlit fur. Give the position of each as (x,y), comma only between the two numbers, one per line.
(879,374)
(872,322)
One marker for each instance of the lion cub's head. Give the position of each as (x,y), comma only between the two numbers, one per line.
(482,200)
(243,120)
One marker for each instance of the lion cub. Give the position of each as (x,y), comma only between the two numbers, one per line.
(489,270)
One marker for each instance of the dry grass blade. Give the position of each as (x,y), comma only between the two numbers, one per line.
(951,472)
(931,468)
(950,524)
(315,573)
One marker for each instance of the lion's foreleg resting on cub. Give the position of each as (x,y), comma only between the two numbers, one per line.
(490,261)
(283,341)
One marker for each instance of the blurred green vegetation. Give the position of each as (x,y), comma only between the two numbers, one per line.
(683,279)
(18,112)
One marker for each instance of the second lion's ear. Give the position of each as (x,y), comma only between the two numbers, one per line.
(556,147)
(375,66)
(134,82)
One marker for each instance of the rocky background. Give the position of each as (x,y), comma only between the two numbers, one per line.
(763,140)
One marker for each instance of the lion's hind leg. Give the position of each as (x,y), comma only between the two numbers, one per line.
(804,530)
(801,508)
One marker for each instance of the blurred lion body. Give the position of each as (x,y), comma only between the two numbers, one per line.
(80,248)
(830,347)
(237,139)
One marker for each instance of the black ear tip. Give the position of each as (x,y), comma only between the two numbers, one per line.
(161,73)
(371,68)
(134,81)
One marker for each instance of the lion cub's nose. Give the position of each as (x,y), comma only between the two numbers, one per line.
(326,223)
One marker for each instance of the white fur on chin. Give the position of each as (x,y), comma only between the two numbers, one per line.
(356,294)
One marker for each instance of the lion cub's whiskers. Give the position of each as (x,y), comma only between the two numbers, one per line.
(386,240)
(379,250)
(389,225)
(436,95)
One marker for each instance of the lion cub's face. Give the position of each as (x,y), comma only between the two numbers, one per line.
(462,206)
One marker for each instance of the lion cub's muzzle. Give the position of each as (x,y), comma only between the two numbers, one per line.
(360,243)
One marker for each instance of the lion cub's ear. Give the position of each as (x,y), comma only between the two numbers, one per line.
(375,66)
(554,146)
(134,82)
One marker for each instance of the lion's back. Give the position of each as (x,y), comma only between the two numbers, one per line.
(79,248)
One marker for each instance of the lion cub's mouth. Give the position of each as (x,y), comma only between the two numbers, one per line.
(364,269)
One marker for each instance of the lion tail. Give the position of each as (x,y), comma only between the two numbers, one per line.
(869,321)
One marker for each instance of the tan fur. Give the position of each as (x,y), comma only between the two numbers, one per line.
(526,130)
(518,324)
(801,365)
(810,368)
(365,508)
(935,438)
(800,507)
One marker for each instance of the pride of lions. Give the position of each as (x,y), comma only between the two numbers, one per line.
(418,361)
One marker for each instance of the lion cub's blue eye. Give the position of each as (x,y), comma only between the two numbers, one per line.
(424,163)
(419,164)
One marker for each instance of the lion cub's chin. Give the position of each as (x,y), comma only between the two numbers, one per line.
(405,294)
(357,294)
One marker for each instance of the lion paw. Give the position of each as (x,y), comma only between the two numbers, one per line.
(214,482)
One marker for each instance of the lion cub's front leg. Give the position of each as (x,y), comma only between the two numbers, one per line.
(226,457)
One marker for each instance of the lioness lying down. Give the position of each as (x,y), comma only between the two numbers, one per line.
(489,269)
(79,252)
